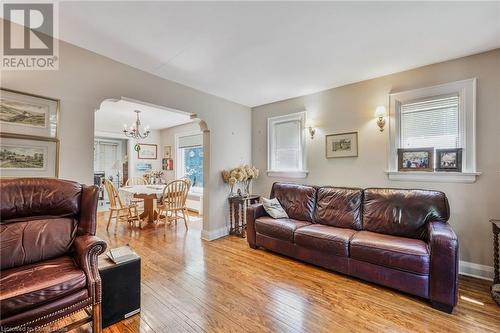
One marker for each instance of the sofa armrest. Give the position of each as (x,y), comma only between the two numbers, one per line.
(87,249)
(443,245)
(253,212)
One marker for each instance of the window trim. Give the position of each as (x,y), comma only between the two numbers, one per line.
(466,90)
(299,173)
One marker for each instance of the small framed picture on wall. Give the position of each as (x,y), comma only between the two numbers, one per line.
(147,151)
(167,151)
(342,145)
(168,164)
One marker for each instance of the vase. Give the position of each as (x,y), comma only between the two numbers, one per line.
(247,188)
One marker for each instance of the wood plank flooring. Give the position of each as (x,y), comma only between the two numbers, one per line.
(189,285)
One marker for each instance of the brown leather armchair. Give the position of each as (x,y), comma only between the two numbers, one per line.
(48,253)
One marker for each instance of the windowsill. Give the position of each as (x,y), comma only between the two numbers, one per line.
(436,176)
(287,174)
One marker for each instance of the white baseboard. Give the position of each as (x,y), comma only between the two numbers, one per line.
(214,234)
(475,270)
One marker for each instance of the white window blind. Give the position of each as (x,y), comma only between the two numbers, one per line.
(287,146)
(188,141)
(432,122)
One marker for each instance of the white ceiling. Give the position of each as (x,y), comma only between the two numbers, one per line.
(112,115)
(258,52)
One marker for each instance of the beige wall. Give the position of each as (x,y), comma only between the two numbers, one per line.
(85,79)
(167,138)
(351,108)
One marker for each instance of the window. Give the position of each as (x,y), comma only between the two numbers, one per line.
(106,153)
(432,122)
(190,158)
(286,146)
(440,117)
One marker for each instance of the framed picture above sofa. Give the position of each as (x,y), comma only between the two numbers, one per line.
(341,145)
(449,159)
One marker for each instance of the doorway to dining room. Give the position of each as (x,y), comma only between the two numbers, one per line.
(156,145)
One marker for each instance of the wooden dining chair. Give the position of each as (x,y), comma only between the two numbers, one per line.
(128,213)
(135,181)
(173,202)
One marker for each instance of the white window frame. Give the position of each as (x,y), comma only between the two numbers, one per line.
(179,172)
(466,90)
(290,173)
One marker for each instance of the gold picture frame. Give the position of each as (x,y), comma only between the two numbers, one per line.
(29,114)
(26,141)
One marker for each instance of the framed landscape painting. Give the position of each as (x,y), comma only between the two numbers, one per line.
(147,151)
(342,145)
(26,114)
(26,157)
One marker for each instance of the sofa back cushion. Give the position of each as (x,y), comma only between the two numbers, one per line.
(401,212)
(339,207)
(27,242)
(297,200)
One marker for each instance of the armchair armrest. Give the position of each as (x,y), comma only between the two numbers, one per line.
(86,250)
(253,212)
(443,285)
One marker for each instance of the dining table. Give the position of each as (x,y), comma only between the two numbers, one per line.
(149,193)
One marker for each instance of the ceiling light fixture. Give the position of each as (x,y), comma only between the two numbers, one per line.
(135,129)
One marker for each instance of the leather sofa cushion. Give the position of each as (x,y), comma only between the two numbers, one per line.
(339,207)
(405,254)
(28,197)
(324,238)
(297,200)
(23,243)
(29,286)
(278,228)
(403,212)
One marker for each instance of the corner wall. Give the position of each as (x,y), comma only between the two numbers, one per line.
(352,107)
(85,79)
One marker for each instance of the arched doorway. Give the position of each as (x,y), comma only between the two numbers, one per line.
(166,126)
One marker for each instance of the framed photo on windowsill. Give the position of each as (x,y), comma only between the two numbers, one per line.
(416,159)
(449,159)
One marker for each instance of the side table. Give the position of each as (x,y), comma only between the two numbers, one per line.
(495,289)
(121,289)
(238,213)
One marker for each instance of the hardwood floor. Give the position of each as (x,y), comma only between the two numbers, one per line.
(189,285)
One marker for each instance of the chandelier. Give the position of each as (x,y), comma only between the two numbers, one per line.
(134,131)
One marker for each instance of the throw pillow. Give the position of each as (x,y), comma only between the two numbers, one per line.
(273,208)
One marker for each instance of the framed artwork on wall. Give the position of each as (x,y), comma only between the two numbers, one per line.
(341,145)
(143,167)
(449,159)
(416,159)
(27,114)
(167,151)
(147,151)
(24,156)
(167,164)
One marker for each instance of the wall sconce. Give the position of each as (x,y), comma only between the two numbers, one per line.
(312,131)
(380,114)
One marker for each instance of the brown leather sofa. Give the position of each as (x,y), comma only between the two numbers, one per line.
(48,253)
(394,237)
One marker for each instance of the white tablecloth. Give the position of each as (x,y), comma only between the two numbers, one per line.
(128,192)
